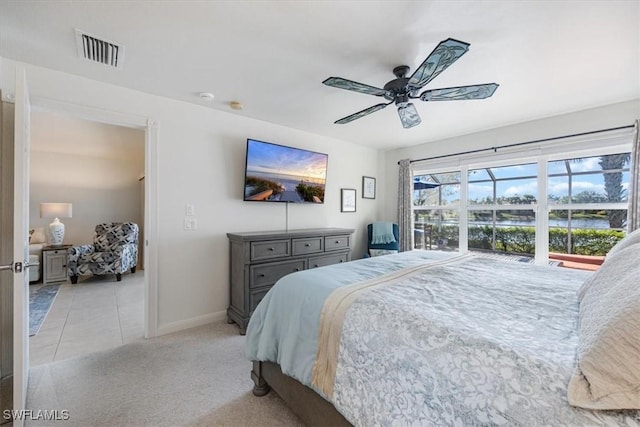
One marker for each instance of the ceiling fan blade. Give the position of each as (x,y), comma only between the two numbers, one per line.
(460,93)
(409,116)
(341,83)
(445,54)
(362,113)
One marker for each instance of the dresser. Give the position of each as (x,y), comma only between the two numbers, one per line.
(259,259)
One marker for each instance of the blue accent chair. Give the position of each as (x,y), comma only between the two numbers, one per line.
(382,247)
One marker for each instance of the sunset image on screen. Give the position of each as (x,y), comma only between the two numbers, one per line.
(284,174)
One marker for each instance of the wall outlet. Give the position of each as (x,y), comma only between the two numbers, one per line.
(189,209)
(190,224)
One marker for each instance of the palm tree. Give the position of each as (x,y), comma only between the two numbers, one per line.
(613,185)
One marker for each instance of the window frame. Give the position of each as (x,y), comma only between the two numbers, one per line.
(613,142)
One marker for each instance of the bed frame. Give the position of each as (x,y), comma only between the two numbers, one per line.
(308,405)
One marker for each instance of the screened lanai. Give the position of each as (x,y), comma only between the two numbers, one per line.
(584,205)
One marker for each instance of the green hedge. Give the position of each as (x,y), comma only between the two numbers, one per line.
(523,239)
(584,241)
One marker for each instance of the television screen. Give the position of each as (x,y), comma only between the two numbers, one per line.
(275,173)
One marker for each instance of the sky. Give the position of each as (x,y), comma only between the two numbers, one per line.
(558,186)
(278,159)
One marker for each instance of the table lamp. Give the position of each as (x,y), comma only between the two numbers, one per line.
(56,211)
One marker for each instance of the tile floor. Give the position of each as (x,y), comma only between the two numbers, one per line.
(95,314)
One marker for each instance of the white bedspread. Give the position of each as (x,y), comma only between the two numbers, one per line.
(483,342)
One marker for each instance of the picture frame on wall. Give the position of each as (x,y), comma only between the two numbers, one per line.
(368,187)
(347,200)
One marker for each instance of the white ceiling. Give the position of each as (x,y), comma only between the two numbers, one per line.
(549,57)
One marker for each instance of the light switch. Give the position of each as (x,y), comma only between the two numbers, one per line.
(190,224)
(189,209)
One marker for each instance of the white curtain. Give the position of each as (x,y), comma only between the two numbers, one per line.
(405,220)
(633,217)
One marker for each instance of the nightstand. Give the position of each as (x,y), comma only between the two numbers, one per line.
(54,264)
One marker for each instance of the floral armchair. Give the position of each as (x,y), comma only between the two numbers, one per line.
(114,251)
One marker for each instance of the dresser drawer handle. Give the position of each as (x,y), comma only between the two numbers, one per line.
(297,269)
(272,249)
(337,241)
(316,266)
(308,245)
(341,260)
(261,275)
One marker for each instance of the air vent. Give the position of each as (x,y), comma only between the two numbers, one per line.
(99,50)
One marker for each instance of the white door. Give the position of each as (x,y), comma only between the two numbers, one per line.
(7,133)
(21,246)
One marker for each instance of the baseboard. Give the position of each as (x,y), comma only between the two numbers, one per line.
(192,323)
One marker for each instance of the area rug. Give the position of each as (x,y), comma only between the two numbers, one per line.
(40,302)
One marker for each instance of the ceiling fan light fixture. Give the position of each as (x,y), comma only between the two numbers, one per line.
(409,116)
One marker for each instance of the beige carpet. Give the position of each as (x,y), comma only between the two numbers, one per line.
(198,377)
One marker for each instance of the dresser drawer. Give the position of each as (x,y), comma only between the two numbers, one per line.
(268,274)
(321,261)
(307,246)
(255,298)
(332,243)
(270,249)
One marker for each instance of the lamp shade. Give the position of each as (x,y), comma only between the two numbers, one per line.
(55,210)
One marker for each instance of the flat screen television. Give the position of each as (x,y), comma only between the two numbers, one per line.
(276,173)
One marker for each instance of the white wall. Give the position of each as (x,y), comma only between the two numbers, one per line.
(605,117)
(92,165)
(201,157)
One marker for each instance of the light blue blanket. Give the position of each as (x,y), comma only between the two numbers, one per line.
(284,326)
(382,233)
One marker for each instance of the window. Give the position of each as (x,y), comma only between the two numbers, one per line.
(587,200)
(436,198)
(497,219)
(569,203)
(589,179)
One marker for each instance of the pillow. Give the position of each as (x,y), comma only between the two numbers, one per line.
(378,252)
(37,236)
(630,239)
(608,354)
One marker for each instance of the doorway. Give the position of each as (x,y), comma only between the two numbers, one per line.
(95,167)
(11,322)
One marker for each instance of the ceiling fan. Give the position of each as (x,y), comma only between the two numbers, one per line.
(401,89)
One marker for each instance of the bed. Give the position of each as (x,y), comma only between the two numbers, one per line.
(435,338)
